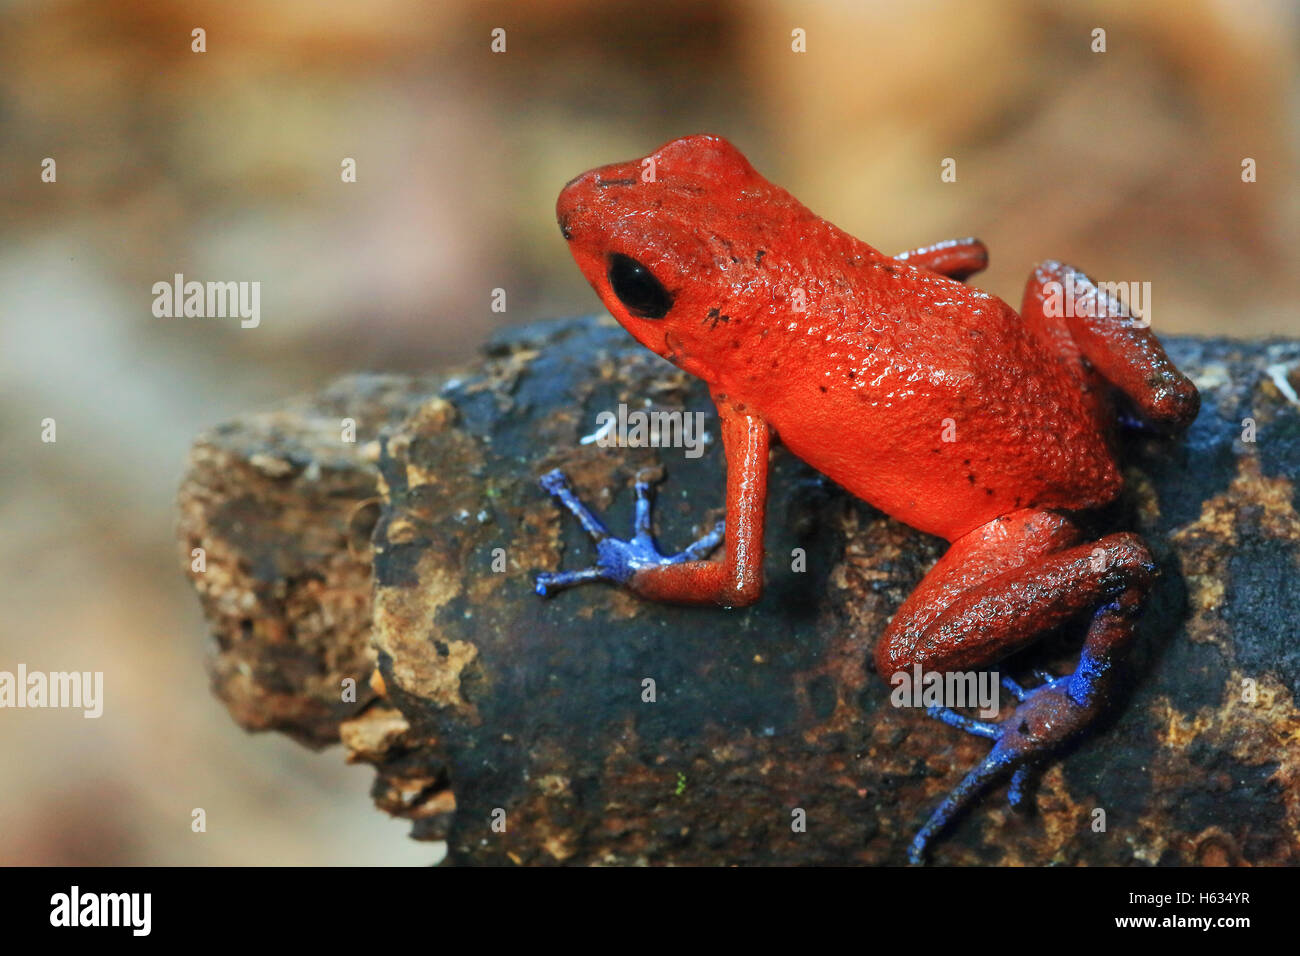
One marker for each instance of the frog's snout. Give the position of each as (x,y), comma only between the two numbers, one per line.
(566,206)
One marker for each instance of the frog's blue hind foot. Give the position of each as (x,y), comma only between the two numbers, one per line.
(1045,717)
(616,560)
(1000,760)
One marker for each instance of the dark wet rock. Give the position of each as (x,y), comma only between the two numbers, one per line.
(476,699)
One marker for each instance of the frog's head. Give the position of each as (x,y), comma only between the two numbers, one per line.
(674,244)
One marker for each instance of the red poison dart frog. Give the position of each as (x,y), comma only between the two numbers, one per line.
(859,362)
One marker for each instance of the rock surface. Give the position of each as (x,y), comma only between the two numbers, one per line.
(403,561)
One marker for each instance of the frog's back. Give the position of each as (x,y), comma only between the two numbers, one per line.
(934,401)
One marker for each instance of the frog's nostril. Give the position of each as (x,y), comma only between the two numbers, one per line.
(563,220)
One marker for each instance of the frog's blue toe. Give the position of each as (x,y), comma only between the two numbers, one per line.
(548,584)
(617,560)
(1019,784)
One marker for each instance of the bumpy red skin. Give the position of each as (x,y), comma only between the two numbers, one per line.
(937,403)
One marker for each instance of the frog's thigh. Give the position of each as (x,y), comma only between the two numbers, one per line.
(1001,587)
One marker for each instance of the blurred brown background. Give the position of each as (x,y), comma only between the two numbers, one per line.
(225,165)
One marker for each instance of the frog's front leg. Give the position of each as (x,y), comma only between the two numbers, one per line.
(685,578)
(954,258)
(996,590)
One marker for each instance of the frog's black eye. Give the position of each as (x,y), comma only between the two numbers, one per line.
(637,289)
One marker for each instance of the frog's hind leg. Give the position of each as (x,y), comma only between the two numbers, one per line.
(1080,320)
(998,589)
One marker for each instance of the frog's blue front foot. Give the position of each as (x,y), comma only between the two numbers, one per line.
(616,560)
(1046,717)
